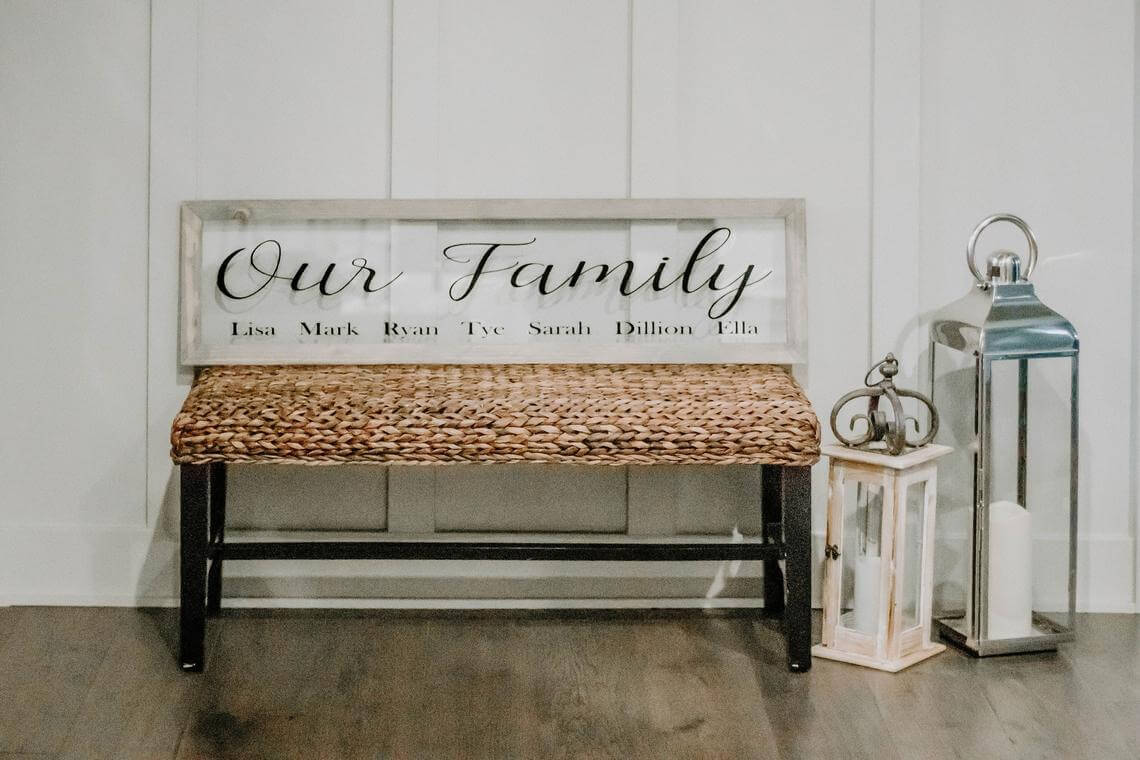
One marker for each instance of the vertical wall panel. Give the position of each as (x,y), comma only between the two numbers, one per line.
(173,179)
(73,200)
(293,99)
(1134,485)
(666,500)
(770,100)
(293,103)
(415,99)
(789,115)
(505,102)
(533,98)
(655,54)
(654,492)
(896,325)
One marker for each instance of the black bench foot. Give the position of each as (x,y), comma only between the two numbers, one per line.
(192,565)
(786,508)
(217,536)
(796,498)
(203,510)
(773,533)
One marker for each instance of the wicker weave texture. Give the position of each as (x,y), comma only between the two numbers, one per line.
(450,414)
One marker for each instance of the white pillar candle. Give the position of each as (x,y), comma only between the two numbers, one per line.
(867,593)
(1010,571)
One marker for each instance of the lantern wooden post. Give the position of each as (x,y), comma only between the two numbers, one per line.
(886,642)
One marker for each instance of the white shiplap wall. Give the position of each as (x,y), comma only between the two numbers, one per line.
(849,105)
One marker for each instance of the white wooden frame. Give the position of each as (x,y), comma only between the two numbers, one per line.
(194,352)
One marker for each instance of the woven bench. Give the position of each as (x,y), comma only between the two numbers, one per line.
(631,414)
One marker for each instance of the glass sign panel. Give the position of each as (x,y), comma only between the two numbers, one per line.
(501,281)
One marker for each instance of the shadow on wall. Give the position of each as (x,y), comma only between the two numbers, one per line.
(157,581)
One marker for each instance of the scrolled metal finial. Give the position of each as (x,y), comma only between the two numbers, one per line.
(892,432)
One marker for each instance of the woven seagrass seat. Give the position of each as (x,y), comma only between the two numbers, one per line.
(447,414)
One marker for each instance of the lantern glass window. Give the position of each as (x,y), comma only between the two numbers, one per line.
(1031,414)
(914,526)
(861,555)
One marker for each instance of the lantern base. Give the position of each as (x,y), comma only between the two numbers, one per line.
(1047,634)
(890,666)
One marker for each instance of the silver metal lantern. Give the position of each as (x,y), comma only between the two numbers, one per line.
(1003,370)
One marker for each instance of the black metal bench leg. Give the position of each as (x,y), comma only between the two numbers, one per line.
(773,532)
(217,536)
(192,560)
(795,498)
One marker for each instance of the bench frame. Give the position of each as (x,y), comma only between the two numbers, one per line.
(786,536)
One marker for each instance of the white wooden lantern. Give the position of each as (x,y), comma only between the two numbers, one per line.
(878,569)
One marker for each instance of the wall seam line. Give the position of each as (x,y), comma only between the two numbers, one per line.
(391,88)
(147,251)
(870,305)
(1134,432)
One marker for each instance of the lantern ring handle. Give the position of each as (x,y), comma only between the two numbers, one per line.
(1017,222)
(867,377)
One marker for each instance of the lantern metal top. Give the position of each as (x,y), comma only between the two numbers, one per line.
(1001,315)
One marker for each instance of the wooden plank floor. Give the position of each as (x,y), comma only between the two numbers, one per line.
(102,683)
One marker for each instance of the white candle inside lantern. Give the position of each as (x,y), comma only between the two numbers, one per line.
(867,570)
(1010,571)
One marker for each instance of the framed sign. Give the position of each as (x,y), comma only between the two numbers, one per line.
(493,281)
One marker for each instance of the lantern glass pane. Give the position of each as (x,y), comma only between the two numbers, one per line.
(913,525)
(861,556)
(1029,497)
(954,389)
(1048,477)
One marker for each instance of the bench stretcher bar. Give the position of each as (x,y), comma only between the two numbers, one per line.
(486,550)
